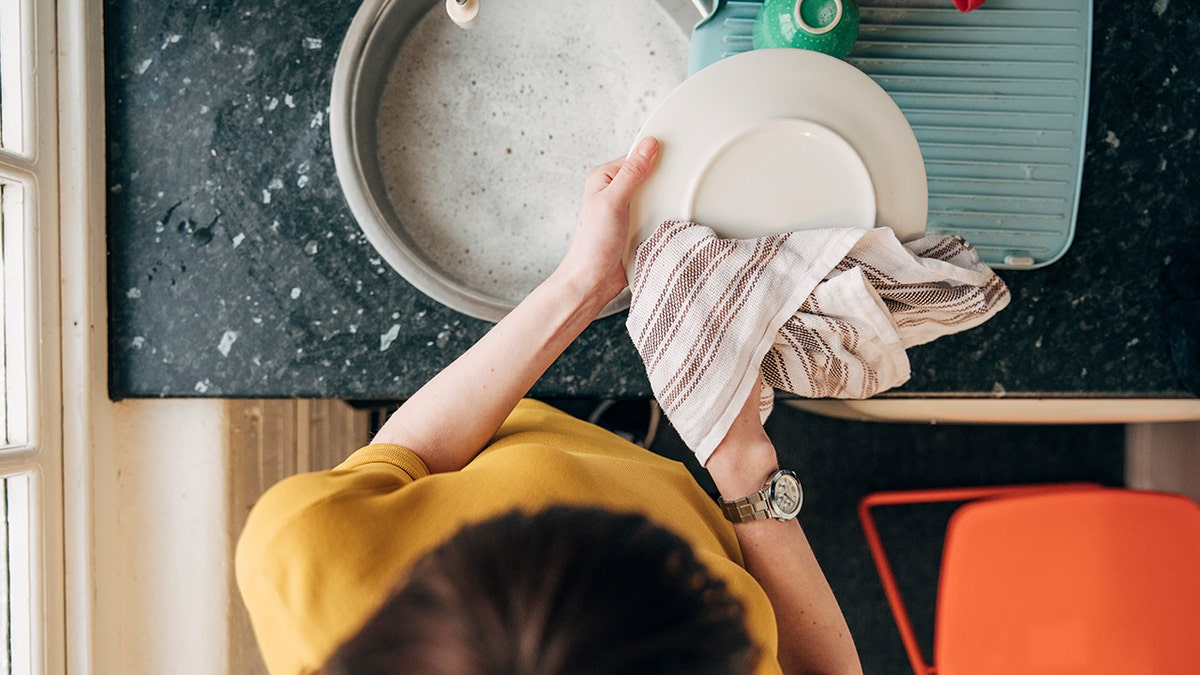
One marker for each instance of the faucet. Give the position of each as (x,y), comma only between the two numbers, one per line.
(465,13)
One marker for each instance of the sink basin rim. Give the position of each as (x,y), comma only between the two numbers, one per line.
(366,57)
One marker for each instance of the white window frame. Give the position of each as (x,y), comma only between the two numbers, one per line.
(92,641)
(32,323)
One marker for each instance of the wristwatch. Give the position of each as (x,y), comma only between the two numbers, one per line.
(780,498)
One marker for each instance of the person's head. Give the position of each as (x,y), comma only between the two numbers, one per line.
(566,590)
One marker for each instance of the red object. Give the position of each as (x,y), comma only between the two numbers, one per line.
(1068,578)
(967,5)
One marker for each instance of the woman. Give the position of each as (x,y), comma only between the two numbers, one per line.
(348,557)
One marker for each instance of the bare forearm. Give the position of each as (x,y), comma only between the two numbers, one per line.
(449,420)
(813,635)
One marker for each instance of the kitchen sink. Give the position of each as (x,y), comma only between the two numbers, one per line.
(462,153)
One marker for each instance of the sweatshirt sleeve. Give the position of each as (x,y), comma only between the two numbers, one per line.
(307,544)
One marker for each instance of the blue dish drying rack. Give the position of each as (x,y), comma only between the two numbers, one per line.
(997,99)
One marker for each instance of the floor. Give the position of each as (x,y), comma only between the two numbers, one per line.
(841,461)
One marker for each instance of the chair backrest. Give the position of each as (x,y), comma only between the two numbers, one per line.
(1085,581)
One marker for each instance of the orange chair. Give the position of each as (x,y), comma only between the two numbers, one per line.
(1057,579)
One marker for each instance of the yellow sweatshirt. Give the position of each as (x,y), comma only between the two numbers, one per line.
(321,551)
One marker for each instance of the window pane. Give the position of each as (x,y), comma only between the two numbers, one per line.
(3,322)
(15,580)
(11,109)
(13,389)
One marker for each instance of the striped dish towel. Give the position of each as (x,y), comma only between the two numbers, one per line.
(819,313)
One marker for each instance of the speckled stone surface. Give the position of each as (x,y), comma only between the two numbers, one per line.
(236,269)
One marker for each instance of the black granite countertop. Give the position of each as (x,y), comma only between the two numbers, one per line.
(237,270)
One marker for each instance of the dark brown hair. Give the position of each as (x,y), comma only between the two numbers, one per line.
(566,590)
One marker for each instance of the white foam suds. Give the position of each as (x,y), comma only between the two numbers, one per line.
(485,136)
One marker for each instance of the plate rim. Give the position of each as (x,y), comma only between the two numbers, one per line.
(752,87)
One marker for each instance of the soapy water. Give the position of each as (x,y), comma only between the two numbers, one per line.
(486,136)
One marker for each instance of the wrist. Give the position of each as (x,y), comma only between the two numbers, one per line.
(739,468)
(591,293)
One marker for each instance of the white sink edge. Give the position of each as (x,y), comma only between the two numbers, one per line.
(1007,410)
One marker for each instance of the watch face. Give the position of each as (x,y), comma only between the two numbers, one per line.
(785,492)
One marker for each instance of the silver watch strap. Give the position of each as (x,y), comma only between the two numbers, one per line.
(746,509)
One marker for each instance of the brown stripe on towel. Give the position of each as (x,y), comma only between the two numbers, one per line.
(734,296)
(682,287)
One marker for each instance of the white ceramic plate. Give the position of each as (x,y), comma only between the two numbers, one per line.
(780,176)
(738,104)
